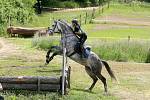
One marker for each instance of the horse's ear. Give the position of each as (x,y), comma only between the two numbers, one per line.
(55,21)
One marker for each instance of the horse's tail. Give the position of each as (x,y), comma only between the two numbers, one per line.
(109,70)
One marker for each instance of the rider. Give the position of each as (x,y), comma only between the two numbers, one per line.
(82,37)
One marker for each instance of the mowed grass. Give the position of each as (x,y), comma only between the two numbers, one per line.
(117,33)
(138,10)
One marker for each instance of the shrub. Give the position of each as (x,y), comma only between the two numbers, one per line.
(20,11)
(70,4)
(44,42)
(148,57)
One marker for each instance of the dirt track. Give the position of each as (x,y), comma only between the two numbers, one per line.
(124,20)
(8,49)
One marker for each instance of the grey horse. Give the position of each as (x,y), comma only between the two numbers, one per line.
(93,64)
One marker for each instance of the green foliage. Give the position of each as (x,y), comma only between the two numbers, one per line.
(20,11)
(44,42)
(70,4)
(148,57)
(59,4)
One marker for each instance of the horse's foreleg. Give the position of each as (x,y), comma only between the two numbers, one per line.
(51,58)
(47,56)
(56,50)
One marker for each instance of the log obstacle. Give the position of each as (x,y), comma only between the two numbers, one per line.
(30,83)
(34,83)
(15,31)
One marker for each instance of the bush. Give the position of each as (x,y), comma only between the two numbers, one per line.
(59,4)
(44,42)
(148,57)
(20,11)
(70,4)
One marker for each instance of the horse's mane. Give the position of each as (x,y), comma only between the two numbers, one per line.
(68,27)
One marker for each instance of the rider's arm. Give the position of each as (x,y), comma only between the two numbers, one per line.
(83,38)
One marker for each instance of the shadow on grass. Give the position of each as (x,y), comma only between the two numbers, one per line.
(49,71)
(28,92)
(83,90)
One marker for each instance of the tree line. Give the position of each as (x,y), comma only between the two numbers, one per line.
(80,3)
(15,11)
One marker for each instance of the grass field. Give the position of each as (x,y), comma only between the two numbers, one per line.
(28,62)
(19,57)
(95,30)
(128,21)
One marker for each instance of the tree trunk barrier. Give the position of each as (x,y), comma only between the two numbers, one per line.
(34,83)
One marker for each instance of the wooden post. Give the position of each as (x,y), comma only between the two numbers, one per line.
(68,76)
(53,19)
(99,7)
(108,4)
(99,11)
(63,68)
(86,15)
(129,40)
(80,20)
(93,13)
(102,7)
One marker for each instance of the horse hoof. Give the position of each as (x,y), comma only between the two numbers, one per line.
(87,89)
(46,64)
(106,94)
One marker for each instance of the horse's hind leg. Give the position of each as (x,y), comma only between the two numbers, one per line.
(103,79)
(92,75)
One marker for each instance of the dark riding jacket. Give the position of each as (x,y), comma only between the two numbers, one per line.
(82,35)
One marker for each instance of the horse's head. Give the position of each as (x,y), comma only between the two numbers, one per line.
(60,26)
(54,28)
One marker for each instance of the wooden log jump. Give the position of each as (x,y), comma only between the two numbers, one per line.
(30,83)
(30,80)
(35,83)
(13,31)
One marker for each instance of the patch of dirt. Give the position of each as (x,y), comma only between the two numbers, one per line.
(125,20)
(137,80)
(137,89)
(0,46)
(8,49)
(76,9)
(125,94)
(12,51)
(113,26)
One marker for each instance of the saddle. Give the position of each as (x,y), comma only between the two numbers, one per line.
(83,51)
